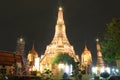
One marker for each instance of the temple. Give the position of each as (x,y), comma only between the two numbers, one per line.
(86,60)
(100,63)
(31,56)
(59,44)
(15,63)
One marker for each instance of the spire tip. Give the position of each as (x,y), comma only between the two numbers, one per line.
(97,40)
(60,8)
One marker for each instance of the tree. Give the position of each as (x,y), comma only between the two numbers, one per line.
(63,58)
(67,59)
(110,44)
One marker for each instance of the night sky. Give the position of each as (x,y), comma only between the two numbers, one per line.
(35,20)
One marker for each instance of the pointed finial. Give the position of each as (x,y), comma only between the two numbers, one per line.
(60,8)
(97,40)
(33,49)
(60,16)
(21,39)
(85,47)
(98,44)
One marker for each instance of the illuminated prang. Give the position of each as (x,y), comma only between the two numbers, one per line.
(59,44)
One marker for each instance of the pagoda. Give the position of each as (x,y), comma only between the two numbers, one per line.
(100,63)
(31,56)
(59,44)
(86,60)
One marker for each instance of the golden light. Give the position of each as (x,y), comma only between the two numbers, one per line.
(60,8)
(30,69)
(61,66)
(21,39)
(37,60)
(97,39)
(33,68)
(41,68)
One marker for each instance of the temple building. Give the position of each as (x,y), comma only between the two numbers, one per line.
(100,63)
(59,44)
(86,60)
(10,62)
(20,46)
(31,56)
(20,49)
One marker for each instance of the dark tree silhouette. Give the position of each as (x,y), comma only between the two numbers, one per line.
(110,44)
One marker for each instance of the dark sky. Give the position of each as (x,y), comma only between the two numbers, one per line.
(35,20)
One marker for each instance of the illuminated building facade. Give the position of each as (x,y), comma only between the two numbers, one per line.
(31,56)
(10,62)
(20,46)
(86,60)
(59,44)
(20,49)
(100,62)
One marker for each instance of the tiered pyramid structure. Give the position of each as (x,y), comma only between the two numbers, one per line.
(59,44)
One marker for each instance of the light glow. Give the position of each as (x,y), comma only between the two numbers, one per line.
(60,8)
(94,70)
(37,60)
(21,39)
(102,69)
(67,68)
(61,66)
(108,70)
(117,70)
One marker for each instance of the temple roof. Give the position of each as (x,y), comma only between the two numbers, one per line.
(86,51)
(9,58)
(32,51)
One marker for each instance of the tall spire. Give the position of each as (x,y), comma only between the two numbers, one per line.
(100,62)
(20,46)
(60,29)
(85,47)
(86,59)
(33,48)
(59,44)
(60,16)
